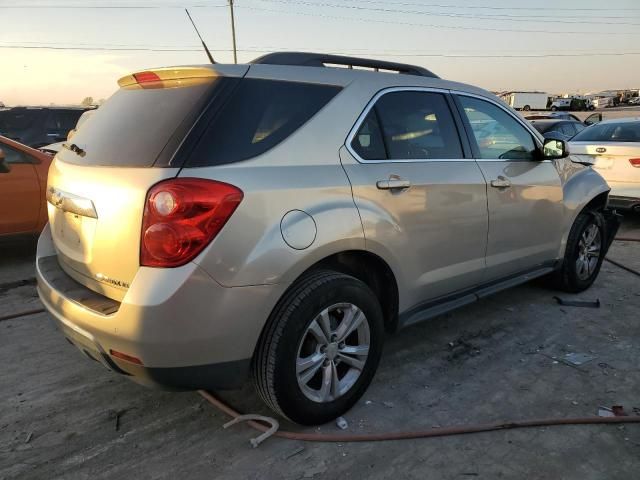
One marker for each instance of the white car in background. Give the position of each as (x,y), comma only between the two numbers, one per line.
(613,147)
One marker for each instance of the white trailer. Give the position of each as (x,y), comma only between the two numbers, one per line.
(527,100)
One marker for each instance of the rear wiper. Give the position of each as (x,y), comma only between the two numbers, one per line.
(75,149)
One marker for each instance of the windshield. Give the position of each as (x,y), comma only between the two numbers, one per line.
(136,125)
(610,132)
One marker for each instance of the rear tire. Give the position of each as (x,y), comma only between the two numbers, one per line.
(307,367)
(584,253)
(526,108)
(554,108)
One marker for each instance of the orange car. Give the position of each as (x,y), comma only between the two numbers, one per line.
(23,181)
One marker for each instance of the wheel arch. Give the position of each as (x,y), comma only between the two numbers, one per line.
(363,265)
(584,190)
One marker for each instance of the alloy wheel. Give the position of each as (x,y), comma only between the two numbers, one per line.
(589,248)
(332,352)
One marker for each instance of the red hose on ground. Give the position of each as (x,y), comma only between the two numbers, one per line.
(433,432)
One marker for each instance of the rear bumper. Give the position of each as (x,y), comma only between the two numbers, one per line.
(187,331)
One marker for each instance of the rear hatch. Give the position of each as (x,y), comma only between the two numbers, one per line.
(98,182)
(612,147)
(611,160)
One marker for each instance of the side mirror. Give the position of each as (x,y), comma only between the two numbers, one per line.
(554,147)
(4,166)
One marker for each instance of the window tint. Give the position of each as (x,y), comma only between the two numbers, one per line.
(18,118)
(417,125)
(497,134)
(579,127)
(138,126)
(259,115)
(368,142)
(610,132)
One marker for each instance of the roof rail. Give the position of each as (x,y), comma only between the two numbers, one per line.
(306,59)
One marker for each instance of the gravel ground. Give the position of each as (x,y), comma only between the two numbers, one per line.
(59,409)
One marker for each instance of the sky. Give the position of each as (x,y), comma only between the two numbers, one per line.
(495,44)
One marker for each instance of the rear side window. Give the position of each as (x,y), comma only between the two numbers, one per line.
(18,119)
(414,125)
(610,132)
(259,115)
(62,120)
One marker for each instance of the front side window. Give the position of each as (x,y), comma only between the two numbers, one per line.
(408,125)
(11,155)
(368,142)
(497,134)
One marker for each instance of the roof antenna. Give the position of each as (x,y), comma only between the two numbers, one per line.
(203,44)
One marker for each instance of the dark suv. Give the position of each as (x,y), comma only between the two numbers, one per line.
(39,126)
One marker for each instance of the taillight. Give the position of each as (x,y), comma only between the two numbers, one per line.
(181,217)
(635,162)
(146,77)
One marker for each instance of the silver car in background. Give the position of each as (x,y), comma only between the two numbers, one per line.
(613,146)
(273,220)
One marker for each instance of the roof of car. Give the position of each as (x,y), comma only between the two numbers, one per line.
(621,120)
(51,107)
(548,121)
(309,59)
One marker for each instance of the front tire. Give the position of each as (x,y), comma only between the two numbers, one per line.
(526,108)
(584,253)
(320,348)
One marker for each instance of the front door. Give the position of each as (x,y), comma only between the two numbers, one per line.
(524,193)
(20,196)
(422,203)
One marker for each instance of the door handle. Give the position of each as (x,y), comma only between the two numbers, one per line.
(500,182)
(393,184)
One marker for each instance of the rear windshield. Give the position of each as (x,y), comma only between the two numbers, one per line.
(135,126)
(18,119)
(610,132)
(259,115)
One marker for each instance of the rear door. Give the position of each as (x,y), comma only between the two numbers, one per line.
(421,200)
(524,194)
(20,198)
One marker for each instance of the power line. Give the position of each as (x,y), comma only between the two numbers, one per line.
(462,7)
(109,7)
(413,24)
(370,52)
(501,17)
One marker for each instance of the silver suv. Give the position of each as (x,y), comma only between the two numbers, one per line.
(274,219)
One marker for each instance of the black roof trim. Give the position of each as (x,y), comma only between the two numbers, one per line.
(306,59)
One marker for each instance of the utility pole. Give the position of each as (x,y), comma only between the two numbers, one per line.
(233,33)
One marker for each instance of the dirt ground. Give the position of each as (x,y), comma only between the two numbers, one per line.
(58,409)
